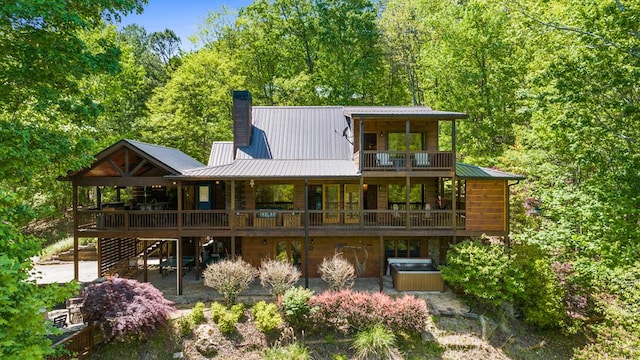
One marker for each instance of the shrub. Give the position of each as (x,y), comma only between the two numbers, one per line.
(294,305)
(485,272)
(293,351)
(376,343)
(347,311)
(278,276)
(217,310)
(238,310)
(197,313)
(184,324)
(337,272)
(227,322)
(126,309)
(229,278)
(266,316)
(541,300)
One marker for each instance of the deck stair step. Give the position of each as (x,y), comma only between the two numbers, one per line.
(151,248)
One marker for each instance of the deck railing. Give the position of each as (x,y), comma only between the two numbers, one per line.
(402,160)
(124,220)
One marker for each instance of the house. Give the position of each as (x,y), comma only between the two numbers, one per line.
(296,183)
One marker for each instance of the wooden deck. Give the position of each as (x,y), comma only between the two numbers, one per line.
(139,220)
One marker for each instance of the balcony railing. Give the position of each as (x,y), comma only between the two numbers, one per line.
(125,220)
(402,160)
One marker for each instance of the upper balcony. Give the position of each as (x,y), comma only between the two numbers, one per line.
(374,160)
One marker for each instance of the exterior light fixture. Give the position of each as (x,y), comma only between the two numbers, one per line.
(252,183)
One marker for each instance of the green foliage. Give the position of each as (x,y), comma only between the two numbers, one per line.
(217,310)
(295,351)
(294,305)
(542,297)
(375,343)
(22,329)
(266,316)
(485,272)
(229,278)
(185,325)
(227,322)
(238,309)
(197,313)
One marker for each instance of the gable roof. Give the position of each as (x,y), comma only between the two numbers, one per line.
(163,159)
(467,171)
(299,133)
(174,159)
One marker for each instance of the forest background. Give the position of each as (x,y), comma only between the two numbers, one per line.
(550,86)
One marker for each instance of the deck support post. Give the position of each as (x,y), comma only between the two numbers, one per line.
(306,233)
(76,255)
(382,267)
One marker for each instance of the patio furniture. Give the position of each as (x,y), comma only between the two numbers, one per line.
(421,160)
(383,159)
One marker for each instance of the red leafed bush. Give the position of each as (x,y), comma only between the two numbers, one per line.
(349,311)
(126,309)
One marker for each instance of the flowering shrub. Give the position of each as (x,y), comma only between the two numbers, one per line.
(337,272)
(126,309)
(229,278)
(349,311)
(294,305)
(278,276)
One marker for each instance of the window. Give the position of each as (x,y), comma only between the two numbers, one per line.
(402,248)
(274,196)
(397,142)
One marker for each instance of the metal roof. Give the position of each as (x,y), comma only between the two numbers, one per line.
(173,158)
(407,111)
(299,133)
(221,153)
(260,168)
(466,171)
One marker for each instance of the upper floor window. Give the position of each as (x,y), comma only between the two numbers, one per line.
(397,141)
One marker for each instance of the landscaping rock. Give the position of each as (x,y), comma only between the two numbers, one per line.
(206,337)
(470,315)
(427,337)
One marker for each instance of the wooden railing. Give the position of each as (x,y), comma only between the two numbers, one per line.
(402,160)
(79,345)
(271,218)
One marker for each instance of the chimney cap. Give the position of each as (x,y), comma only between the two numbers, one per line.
(242,94)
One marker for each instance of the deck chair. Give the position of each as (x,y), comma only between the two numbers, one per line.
(422,159)
(383,159)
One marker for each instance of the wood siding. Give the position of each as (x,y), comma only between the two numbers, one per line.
(486,205)
(256,249)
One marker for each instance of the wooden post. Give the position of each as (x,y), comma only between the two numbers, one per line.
(76,255)
(233,215)
(382,267)
(306,233)
(146,270)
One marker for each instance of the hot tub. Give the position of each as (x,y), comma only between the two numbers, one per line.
(416,277)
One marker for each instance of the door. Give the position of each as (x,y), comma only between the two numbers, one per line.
(204,197)
(331,203)
(352,203)
(290,251)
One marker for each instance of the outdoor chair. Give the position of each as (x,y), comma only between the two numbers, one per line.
(422,159)
(383,159)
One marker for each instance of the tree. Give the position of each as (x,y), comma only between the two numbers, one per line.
(43,117)
(194,107)
(165,44)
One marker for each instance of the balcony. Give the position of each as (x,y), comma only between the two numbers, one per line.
(374,160)
(137,220)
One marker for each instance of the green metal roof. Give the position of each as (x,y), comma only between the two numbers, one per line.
(466,171)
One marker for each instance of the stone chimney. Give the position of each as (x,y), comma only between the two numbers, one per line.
(241,119)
